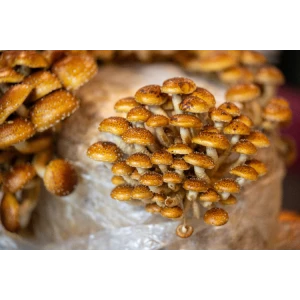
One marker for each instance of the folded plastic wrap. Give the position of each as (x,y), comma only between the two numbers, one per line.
(90,219)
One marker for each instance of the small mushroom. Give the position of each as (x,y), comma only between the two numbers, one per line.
(205,95)
(143,193)
(138,116)
(153,208)
(122,192)
(258,166)
(236,75)
(140,161)
(153,180)
(231,200)
(124,105)
(244,173)
(220,118)
(180,165)
(209,197)
(194,186)
(35,144)
(180,149)
(171,212)
(121,168)
(118,180)
(244,148)
(10,212)
(173,180)
(184,231)
(216,217)
(226,186)
(163,159)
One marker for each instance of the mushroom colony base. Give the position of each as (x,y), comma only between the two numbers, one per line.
(90,219)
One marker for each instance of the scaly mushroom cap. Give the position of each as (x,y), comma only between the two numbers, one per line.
(258,166)
(104,151)
(196,185)
(216,63)
(153,208)
(139,160)
(180,164)
(60,177)
(210,128)
(53,108)
(279,101)
(244,147)
(138,114)
(236,127)
(157,121)
(150,95)
(172,177)
(185,121)
(43,83)
(230,109)
(18,177)
(213,140)
(227,185)
(9,75)
(121,168)
(242,93)
(252,58)
(162,157)
(114,125)
(10,212)
(35,144)
(194,104)
(178,85)
(75,70)
(236,75)
(216,217)
(171,212)
(180,149)
(30,59)
(140,136)
(277,113)
(205,95)
(118,180)
(15,131)
(13,99)
(258,139)
(231,200)
(122,192)
(210,196)
(141,192)
(124,105)
(269,76)
(244,171)
(219,115)
(151,179)
(200,160)
(244,119)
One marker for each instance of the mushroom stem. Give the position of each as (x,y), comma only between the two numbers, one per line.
(176,99)
(225,195)
(173,186)
(240,161)
(241,181)
(180,173)
(162,137)
(22,111)
(196,209)
(191,195)
(269,92)
(141,171)
(160,189)
(212,152)
(163,168)
(256,112)
(174,200)
(130,181)
(140,148)
(206,204)
(157,110)
(126,148)
(153,147)
(234,139)
(41,160)
(200,173)
(185,135)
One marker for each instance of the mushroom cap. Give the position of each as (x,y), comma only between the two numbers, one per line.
(15,131)
(178,85)
(157,121)
(200,160)
(9,75)
(153,208)
(210,195)
(18,177)
(231,200)
(216,217)
(10,212)
(244,147)
(151,179)
(244,119)
(35,144)
(236,127)
(252,58)
(244,171)
(140,136)
(277,113)
(118,180)
(13,99)
(162,157)
(205,95)
(219,115)
(258,166)
(139,160)
(141,192)
(43,83)
(172,177)
(210,128)
(213,140)
(171,212)
(159,198)
(180,164)
(230,108)
(53,108)
(138,114)
(150,95)
(216,63)
(186,121)
(242,93)
(184,231)
(279,101)
(60,177)
(114,125)
(121,168)
(124,105)
(236,75)
(269,75)
(135,175)
(227,185)
(104,151)
(258,139)
(122,192)
(195,184)
(179,149)
(194,104)
(75,70)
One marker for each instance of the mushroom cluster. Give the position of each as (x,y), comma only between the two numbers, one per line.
(179,154)
(36,94)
